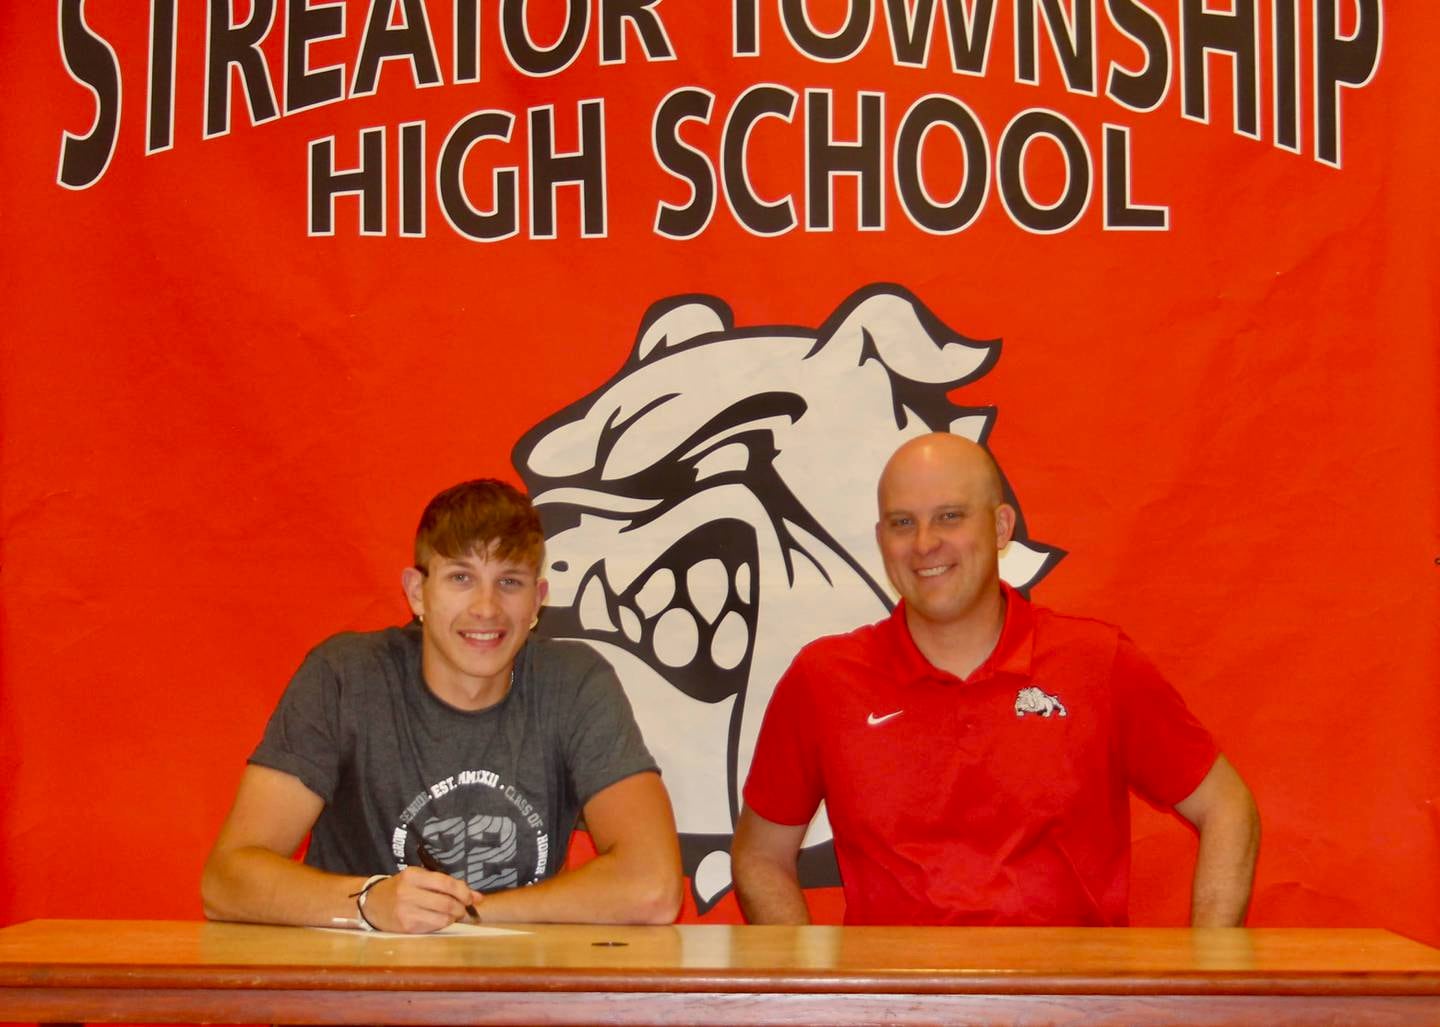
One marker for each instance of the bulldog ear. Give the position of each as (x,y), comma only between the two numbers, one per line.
(679,319)
(909,340)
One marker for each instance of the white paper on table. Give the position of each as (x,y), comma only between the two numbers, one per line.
(456,930)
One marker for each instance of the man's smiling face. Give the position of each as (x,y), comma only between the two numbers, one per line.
(941,528)
(477,612)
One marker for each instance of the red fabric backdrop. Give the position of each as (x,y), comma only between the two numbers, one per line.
(219,426)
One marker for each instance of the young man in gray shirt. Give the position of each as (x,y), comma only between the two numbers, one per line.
(457,742)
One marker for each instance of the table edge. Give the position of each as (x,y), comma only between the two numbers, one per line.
(709,981)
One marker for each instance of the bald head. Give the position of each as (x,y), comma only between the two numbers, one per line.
(937,453)
(943,524)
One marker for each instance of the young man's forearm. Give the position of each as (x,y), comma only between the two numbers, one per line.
(612,888)
(254,885)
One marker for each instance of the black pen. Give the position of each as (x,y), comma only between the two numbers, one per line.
(429,862)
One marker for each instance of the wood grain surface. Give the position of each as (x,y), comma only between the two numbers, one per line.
(97,971)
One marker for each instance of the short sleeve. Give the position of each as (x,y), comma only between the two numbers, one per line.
(785,784)
(1166,751)
(303,736)
(603,744)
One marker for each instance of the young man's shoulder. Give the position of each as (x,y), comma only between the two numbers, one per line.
(563,662)
(359,651)
(343,643)
(569,682)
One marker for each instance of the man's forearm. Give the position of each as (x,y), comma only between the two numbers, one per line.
(255,885)
(612,888)
(769,893)
(763,860)
(1225,866)
(1223,812)
(252,884)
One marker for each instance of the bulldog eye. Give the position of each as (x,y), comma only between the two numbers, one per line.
(727,459)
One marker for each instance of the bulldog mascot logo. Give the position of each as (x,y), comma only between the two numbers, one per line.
(711,509)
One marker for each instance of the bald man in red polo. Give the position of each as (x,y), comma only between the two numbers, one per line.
(976,752)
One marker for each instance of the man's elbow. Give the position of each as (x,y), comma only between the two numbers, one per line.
(658,900)
(754,867)
(217,891)
(1248,814)
(742,868)
(768,890)
(1223,800)
(210,892)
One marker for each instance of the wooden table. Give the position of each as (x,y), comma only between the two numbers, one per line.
(190,972)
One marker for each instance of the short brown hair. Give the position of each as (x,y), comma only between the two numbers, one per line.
(484,516)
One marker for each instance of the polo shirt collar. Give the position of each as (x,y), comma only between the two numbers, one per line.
(1012,653)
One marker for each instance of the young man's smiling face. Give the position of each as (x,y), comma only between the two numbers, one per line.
(476,612)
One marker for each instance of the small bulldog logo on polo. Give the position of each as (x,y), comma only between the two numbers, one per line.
(1033,700)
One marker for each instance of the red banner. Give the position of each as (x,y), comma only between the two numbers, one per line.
(277,271)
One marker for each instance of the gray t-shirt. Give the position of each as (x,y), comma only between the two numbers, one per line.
(494,793)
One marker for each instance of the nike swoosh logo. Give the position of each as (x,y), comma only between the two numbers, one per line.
(872,720)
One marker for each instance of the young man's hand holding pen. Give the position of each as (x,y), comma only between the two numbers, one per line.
(415,901)
(429,862)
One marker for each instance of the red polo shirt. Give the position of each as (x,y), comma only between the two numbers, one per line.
(961,801)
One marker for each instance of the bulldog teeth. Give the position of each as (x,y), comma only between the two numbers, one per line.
(678,615)
(594,610)
(727,648)
(680,632)
(742,583)
(708,585)
(630,623)
(677,637)
(656,593)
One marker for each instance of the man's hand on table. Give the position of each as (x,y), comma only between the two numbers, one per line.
(417,901)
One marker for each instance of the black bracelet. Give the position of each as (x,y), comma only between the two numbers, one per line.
(360,897)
